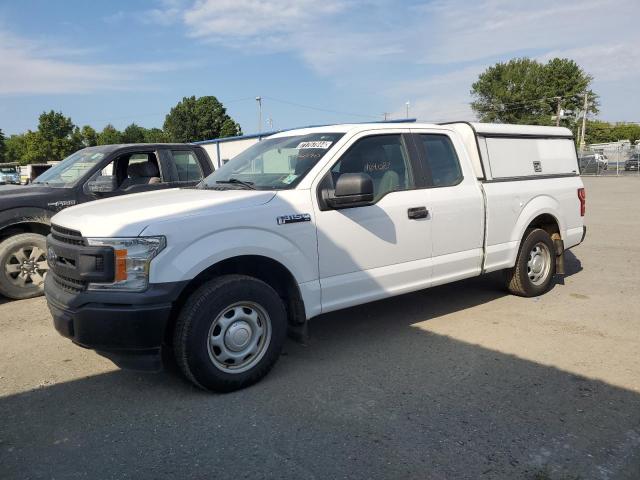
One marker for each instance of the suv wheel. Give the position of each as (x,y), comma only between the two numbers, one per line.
(230,333)
(23,264)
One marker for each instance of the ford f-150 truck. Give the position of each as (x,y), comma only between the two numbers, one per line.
(306,222)
(88,174)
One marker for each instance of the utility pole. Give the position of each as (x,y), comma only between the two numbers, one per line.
(270,123)
(584,120)
(259,100)
(407,105)
(386,115)
(558,111)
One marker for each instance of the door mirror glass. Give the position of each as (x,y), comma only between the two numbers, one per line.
(103,184)
(352,190)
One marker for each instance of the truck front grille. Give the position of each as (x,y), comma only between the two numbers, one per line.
(69,284)
(66,235)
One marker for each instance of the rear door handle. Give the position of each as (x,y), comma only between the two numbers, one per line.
(417,212)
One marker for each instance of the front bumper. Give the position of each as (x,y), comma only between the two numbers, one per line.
(126,327)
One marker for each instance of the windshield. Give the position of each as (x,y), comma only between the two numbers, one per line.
(9,170)
(71,169)
(274,163)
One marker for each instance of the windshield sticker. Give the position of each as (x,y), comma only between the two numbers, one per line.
(320,144)
(96,155)
(289,178)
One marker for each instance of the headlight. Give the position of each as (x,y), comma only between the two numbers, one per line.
(132,261)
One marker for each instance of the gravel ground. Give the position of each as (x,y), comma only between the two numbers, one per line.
(460,381)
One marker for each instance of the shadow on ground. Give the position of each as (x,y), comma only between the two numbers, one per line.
(371,397)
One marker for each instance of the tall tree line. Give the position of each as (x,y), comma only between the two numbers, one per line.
(56,137)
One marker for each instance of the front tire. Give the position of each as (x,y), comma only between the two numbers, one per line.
(535,265)
(23,263)
(229,333)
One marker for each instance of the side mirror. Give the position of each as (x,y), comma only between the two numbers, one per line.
(103,184)
(352,190)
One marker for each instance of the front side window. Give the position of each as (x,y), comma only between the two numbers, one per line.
(442,160)
(187,166)
(274,163)
(384,158)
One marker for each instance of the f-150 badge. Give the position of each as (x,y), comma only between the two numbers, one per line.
(60,204)
(294,218)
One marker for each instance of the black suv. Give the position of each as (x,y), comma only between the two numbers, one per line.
(89,174)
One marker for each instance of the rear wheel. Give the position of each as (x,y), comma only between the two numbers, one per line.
(535,265)
(23,263)
(230,333)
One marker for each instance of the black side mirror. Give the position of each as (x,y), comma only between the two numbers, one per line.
(352,190)
(103,184)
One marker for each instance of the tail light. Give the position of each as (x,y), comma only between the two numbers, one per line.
(582,195)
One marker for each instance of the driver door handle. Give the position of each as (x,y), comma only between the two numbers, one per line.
(417,212)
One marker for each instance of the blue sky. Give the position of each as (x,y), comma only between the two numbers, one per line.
(130,61)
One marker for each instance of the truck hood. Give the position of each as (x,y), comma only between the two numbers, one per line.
(41,196)
(129,215)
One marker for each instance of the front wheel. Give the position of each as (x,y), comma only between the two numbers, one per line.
(535,265)
(230,333)
(23,263)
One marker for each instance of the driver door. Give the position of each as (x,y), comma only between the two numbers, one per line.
(369,252)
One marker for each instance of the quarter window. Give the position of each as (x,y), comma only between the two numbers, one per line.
(384,158)
(187,166)
(441,160)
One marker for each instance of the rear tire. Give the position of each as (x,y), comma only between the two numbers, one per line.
(229,333)
(23,263)
(535,265)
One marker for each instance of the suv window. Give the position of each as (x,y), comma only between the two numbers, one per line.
(442,160)
(187,166)
(384,158)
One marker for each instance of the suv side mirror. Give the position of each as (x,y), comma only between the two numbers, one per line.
(352,190)
(103,184)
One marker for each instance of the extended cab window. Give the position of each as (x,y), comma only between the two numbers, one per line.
(384,158)
(187,166)
(442,160)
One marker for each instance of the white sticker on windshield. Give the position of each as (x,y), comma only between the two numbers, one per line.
(289,178)
(324,144)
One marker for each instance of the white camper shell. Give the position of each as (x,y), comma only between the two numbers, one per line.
(508,152)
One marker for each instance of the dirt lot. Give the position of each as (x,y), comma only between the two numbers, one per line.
(461,381)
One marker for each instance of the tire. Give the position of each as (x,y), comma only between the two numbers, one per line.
(210,337)
(535,265)
(23,263)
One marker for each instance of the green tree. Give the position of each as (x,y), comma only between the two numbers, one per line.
(524,91)
(56,138)
(194,119)
(109,135)
(89,136)
(15,149)
(155,135)
(2,146)
(230,128)
(133,134)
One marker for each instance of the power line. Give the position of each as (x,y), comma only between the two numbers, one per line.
(530,101)
(320,109)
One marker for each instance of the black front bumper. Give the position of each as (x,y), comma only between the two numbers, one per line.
(126,327)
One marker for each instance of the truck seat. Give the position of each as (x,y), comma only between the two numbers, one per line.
(144,173)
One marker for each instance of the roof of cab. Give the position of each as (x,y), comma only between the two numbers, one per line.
(488,129)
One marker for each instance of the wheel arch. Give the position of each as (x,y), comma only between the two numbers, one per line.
(270,271)
(34,222)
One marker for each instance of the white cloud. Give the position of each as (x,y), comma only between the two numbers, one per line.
(30,67)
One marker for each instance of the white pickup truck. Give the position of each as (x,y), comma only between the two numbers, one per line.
(306,222)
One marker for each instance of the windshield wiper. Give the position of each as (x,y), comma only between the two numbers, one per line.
(238,182)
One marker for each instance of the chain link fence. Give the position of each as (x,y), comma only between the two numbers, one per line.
(614,159)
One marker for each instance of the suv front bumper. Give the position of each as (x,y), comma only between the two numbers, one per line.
(128,328)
